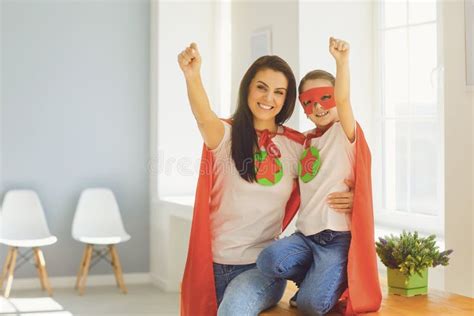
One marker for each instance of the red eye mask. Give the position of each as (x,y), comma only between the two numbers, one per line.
(322,95)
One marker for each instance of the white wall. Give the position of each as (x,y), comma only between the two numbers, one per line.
(354,22)
(74,114)
(175,138)
(178,137)
(459,137)
(247,17)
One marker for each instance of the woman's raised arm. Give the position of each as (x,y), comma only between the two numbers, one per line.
(210,126)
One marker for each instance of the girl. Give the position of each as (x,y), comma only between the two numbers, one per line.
(316,256)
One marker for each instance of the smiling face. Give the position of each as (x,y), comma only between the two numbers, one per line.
(320,116)
(266,96)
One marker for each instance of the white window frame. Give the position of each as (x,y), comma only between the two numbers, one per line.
(397,218)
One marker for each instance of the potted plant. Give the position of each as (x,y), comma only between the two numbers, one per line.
(407,258)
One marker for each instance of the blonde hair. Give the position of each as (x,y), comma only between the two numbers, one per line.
(316,74)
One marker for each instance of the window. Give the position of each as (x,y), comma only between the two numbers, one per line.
(408,170)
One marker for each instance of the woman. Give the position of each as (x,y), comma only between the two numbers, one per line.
(246,192)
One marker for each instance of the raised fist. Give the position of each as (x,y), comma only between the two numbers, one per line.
(190,61)
(339,49)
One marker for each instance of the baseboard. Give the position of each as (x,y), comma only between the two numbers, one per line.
(162,284)
(92,280)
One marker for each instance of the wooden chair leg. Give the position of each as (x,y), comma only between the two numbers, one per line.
(112,260)
(82,282)
(11,270)
(81,268)
(6,266)
(117,268)
(38,268)
(44,273)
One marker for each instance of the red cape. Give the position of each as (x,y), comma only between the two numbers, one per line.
(364,294)
(198,293)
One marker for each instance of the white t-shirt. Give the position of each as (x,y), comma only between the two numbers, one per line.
(247,217)
(337,156)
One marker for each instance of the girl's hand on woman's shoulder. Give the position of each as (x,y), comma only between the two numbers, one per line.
(189,61)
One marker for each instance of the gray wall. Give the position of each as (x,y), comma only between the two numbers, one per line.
(74,114)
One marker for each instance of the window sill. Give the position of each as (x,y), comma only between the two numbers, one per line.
(184,200)
(180,206)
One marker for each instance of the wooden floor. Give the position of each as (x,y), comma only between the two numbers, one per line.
(435,303)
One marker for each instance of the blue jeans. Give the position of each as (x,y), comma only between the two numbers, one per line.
(316,263)
(242,290)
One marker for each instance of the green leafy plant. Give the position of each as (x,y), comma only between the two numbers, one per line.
(410,253)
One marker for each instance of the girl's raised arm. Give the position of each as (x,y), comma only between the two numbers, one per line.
(339,49)
(210,126)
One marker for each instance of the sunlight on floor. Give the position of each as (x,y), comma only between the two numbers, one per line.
(142,300)
(40,306)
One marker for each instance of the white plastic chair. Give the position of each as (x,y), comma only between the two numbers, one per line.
(97,223)
(23,225)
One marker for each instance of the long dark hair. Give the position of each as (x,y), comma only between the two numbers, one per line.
(244,137)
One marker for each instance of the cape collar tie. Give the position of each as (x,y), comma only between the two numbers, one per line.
(318,132)
(265,141)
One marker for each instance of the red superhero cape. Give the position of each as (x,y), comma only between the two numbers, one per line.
(198,294)
(363,293)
